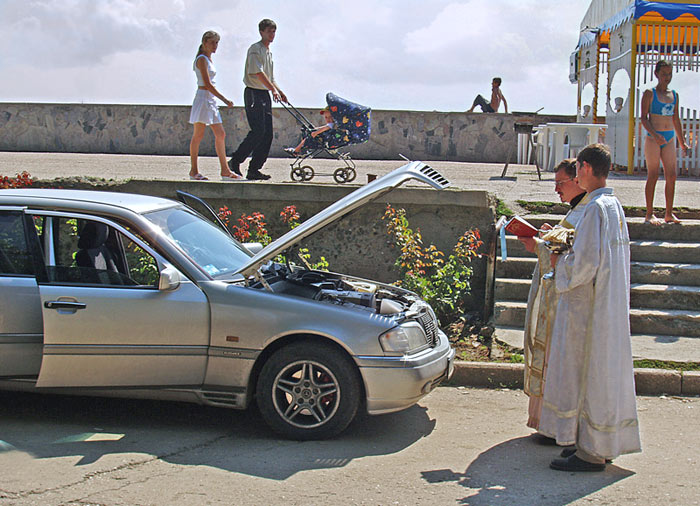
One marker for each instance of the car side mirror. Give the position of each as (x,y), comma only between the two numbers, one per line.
(253,247)
(169,279)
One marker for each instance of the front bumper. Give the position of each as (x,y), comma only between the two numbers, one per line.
(396,383)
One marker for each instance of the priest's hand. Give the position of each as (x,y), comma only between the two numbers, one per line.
(545,227)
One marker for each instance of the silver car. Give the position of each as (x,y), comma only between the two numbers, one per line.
(137,296)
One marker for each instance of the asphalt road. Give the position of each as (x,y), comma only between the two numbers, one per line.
(457,446)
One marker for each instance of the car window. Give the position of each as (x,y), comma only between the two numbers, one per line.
(206,244)
(15,257)
(91,252)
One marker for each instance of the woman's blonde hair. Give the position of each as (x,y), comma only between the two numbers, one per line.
(208,35)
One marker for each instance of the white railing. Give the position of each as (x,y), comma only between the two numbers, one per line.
(690,163)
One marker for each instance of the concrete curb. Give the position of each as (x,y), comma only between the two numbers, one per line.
(502,375)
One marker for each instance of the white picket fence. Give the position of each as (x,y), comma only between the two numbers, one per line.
(690,163)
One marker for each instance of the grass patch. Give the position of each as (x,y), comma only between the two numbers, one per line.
(503,210)
(528,203)
(543,207)
(517,358)
(680,211)
(667,364)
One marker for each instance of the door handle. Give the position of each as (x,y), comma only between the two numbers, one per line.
(63,304)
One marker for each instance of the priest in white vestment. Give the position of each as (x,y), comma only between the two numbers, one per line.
(589,396)
(542,299)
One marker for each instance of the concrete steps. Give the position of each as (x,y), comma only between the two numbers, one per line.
(664,294)
(641,250)
(664,273)
(671,322)
(641,295)
(649,347)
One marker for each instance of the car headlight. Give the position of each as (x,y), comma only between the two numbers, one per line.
(403,338)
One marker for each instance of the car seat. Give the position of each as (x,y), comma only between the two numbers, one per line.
(93,252)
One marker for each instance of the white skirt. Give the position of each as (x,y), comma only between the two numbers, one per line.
(204,109)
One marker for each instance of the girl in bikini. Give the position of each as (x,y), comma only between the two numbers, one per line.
(662,123)
(205,111)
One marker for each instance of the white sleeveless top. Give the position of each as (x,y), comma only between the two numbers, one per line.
(210,69)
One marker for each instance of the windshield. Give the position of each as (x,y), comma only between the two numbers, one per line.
(206,244)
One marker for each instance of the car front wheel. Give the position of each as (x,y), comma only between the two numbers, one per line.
(308,391)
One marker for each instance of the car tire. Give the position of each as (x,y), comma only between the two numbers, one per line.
(308,391)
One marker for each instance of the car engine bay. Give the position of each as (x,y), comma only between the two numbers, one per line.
(337,289)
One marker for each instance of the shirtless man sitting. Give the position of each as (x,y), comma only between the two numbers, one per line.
(496,99)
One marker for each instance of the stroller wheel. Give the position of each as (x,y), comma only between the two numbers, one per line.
(344,175)
(305,173)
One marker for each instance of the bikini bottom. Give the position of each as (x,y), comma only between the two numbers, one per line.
(666,134)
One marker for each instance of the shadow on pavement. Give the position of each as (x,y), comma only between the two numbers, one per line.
(517,472)
(50,426)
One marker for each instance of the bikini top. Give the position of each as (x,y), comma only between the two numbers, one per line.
(662,108)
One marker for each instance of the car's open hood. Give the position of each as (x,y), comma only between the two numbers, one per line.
(361,196)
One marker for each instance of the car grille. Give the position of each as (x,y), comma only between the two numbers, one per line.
(429,324)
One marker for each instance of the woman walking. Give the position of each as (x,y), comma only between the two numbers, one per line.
(662,123)
(205,111)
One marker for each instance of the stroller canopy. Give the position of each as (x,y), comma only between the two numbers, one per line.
(353,119)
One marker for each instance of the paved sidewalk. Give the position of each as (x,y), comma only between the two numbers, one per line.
(520,183)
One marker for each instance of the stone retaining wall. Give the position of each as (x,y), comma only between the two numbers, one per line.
(164,130)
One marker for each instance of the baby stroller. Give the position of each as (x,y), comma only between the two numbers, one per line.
(351,126)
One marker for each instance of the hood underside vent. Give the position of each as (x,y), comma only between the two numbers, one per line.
(435,176)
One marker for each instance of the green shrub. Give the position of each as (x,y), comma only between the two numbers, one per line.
(442,283)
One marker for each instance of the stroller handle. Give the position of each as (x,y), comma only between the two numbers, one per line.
(298,115)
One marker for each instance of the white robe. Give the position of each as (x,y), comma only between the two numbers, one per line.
(589,397)
(539,319)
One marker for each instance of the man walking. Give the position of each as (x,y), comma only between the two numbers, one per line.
(259,80)
(589,396)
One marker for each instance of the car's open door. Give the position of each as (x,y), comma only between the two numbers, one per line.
(106,321)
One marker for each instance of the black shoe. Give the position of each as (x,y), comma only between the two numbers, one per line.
(255,175)
(235,167)
(541,439)
(575,464)
(570,450)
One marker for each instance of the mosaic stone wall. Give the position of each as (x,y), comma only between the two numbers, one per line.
(164,130)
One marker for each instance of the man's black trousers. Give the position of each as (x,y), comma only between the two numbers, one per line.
(258,110)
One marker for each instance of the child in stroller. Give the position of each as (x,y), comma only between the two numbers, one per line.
(315,132)
(346,123)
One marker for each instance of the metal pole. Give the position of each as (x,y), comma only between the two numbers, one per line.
(632,100)
(597,78)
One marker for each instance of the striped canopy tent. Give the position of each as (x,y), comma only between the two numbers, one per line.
(623,40)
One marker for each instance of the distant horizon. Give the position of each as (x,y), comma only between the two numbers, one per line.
(433,55)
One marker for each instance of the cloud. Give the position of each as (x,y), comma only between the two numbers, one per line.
(66,33)
(403,54)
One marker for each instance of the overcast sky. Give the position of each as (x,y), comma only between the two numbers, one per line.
(393,54)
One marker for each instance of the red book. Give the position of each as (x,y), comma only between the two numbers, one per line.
(518,226)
